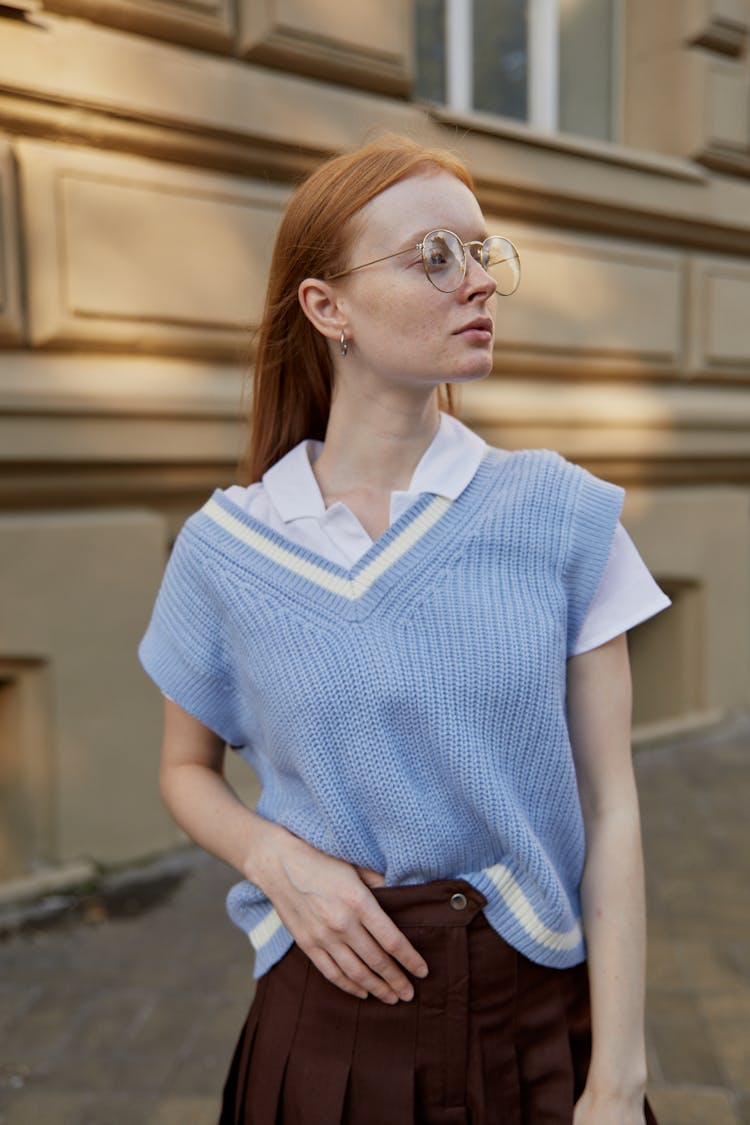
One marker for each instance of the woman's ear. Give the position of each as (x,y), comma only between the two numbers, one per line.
(321,305)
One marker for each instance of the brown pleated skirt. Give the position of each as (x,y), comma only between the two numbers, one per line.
(490,1038)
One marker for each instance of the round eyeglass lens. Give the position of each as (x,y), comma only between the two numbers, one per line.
(443,260)
(500,259)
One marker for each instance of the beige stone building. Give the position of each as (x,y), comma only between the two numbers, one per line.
(146,150)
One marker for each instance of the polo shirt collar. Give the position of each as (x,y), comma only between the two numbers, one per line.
(444,469)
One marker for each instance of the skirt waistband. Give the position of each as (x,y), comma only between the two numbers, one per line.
(442,902)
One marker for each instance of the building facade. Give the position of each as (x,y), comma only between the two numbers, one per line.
(147,148)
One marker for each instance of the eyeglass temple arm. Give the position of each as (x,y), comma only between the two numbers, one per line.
(374,262)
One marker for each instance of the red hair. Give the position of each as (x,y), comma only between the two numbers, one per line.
(293,373)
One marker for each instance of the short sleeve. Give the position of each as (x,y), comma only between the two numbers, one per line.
(595,513)
(185,650)
(627,595)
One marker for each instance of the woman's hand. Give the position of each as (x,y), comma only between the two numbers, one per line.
(609,1109)
(328,908)
(325,903)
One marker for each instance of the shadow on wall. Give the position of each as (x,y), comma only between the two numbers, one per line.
(666,653)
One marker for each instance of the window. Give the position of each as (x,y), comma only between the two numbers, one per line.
(549,63)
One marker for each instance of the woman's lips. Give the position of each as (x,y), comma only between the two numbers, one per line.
(479,330)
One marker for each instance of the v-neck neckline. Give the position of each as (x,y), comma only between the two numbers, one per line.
(361,586)
(235,518)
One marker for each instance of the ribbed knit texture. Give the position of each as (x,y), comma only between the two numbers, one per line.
(407,715)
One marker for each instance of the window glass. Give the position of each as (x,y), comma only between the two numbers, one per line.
(501,57)
(586,64)
(430,49)
(586,30)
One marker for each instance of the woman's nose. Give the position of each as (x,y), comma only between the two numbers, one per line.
(477,277)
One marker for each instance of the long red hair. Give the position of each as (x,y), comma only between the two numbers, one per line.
(293,374)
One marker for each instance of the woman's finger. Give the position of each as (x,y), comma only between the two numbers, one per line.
(359,973)
(381,967)
(325,964)
(391,939)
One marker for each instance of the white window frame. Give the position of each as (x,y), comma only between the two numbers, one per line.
(543,92)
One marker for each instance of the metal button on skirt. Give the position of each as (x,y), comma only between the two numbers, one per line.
(490,1038)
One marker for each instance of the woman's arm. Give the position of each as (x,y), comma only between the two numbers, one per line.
(599,703)
(324,902)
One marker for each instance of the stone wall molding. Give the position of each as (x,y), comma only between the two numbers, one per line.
(687,86)
(86,83)
(104,429)
(367,44)
(11,305)
(207,24)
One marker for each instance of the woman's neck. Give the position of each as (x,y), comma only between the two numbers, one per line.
(376,447)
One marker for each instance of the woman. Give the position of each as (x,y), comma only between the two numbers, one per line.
(418,641)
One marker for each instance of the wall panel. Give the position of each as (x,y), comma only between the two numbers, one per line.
(728,104)
(597,300)
(127,252)
(719,320)
(77,590)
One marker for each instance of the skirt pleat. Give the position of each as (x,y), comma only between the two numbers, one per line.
(490,1037)
(382,1076)
(317,1071)
(545,1060)
(235,1086)
(277,1024)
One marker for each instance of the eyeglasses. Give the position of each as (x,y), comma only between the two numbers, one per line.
(444,261)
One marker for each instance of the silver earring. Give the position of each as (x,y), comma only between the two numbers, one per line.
(343,343)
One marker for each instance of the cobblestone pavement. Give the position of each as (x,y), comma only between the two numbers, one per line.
(696,820)
(125,1011)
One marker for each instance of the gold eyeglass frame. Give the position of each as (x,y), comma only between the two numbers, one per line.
(420,246)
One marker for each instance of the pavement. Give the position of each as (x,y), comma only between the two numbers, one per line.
(121,1006)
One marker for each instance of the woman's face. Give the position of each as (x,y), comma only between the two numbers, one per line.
(400,326)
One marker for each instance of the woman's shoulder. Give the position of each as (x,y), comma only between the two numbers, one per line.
(531,463)
(541,461)
(547,480)
(234,500)
(201,533)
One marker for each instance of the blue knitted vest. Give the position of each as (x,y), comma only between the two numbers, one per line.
(407,715)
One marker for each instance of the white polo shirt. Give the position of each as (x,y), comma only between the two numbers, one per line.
(288,500)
